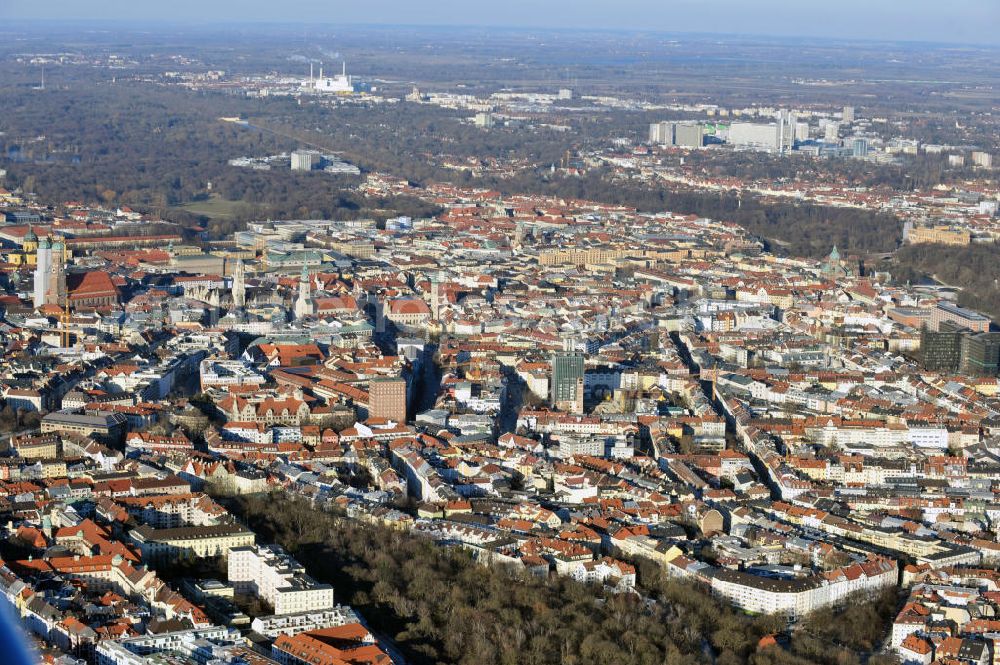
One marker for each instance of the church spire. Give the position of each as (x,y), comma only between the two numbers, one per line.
(303,304)
(239,285)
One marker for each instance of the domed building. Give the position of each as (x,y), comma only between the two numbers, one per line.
(834,266)
(30,242)
(26,255)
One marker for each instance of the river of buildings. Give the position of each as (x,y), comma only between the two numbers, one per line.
(558,386)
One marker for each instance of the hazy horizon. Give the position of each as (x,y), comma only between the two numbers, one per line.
(971,22)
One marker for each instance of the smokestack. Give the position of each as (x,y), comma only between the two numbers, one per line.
(310,71)
(345,68)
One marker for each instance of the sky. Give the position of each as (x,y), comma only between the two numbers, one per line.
(949,21)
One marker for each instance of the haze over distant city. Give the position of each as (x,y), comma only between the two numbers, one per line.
(549,332)
(964,21)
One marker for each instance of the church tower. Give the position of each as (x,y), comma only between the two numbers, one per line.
(519,236)
(303,304)
(56,291)
(435,298)
(29,247)
(43,265)
(833,264)
(239,285)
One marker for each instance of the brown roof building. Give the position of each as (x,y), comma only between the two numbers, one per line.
(387,398)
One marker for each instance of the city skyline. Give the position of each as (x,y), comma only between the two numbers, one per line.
(573,342)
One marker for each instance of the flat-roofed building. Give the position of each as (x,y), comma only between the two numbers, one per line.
(941,348)
(107,426)
(980,354)
(941,235)
(271,574)
(300,622)
(567,382)
(967,318)
(170,545)
(387,398)
(305,160)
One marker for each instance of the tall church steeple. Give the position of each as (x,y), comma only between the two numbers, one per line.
(436,298)
(303,305)
(239,285)
(43,266)
(57,276)
(832,266)
(50,273)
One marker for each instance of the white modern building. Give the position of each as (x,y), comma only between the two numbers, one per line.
(271,574)
(754,135)
(300,622)
(341,84)
(794,598)
(201,645)
(220,373)
(305,160)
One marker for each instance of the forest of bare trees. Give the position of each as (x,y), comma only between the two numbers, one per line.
(440,606)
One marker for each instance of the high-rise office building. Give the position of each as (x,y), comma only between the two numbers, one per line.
(689,134)
(786,131)
(567,382)
(941,349)
(859,147)
(387,398)
(980,158)
(980,354)
(961,316)
(661,133)
(955,348)
(754,135)
(847,115)
(305,160)
(681,134)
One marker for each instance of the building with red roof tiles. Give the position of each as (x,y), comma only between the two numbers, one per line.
(350,644)
(91,289)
